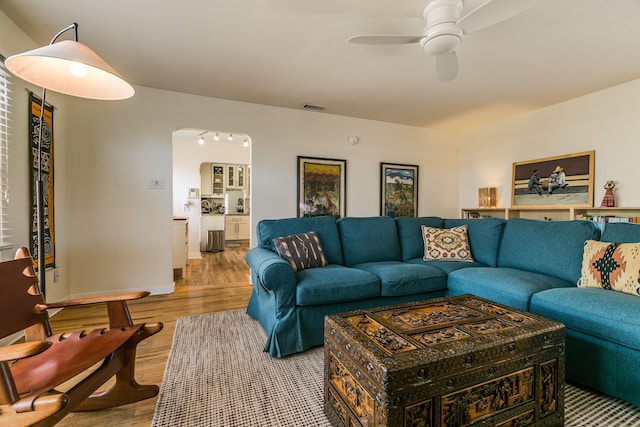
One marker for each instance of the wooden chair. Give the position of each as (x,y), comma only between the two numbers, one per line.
(28,394)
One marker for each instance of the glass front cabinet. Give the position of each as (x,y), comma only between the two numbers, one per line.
(237,177)
(218,180)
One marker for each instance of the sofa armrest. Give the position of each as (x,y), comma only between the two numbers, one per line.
(273,273)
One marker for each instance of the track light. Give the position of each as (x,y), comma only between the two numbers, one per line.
(245,143)
(230,137)
(216,137)
(201,140)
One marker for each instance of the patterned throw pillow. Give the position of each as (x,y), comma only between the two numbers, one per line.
(446,244)
(614,266)
(301,250)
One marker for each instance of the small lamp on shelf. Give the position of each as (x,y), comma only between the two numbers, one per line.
(488,197)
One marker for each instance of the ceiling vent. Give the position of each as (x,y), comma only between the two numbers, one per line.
(313,107)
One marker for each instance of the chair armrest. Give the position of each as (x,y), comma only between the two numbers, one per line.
(39,308)
(20,351)
(119,316)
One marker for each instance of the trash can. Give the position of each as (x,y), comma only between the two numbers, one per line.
(215,240)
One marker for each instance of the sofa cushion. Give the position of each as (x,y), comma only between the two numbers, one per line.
(445,266)
(335,284)
(325,226)
(612,266)
(397,278)
(503,285)
(446,244)
(410,234)
(611,316)
(553,248)
(370,239)
(621,232)
(301,250)
(485,235)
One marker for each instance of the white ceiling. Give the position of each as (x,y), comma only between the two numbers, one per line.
(291,52)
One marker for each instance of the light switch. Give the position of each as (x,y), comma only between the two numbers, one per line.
(156,183)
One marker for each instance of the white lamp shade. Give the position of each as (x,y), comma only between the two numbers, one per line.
(49,67)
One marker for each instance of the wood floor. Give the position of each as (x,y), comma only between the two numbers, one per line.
(218,282)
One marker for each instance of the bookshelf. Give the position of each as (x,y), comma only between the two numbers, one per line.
(598,214)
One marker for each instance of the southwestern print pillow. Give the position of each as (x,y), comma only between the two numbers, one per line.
(614,266)
(446,244)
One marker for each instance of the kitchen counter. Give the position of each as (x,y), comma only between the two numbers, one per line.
(180,245)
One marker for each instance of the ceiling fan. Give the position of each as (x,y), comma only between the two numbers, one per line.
(445,28)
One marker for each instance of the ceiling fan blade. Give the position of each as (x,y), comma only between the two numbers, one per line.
(447,66)
(388,39)
(491,12)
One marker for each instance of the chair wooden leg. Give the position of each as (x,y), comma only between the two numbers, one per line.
(125,389)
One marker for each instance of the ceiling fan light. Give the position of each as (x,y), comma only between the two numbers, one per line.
(441,44)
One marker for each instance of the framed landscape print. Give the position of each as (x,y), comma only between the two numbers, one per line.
(322,187)
(398,190)
(554,181)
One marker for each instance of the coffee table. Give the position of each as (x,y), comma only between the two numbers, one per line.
(451,361)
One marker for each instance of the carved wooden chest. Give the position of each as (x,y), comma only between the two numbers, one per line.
(444,362)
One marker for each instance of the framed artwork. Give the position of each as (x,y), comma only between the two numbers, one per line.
(322,186)
(398,190)
(554,181)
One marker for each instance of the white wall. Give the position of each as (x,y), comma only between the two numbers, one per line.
(121,234)
(607,122)
(188,155)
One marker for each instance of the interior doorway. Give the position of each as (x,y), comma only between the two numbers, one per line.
(212,191)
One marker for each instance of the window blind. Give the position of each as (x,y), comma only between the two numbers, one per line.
(5,106)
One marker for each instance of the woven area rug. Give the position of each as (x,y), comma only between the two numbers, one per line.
(218,375)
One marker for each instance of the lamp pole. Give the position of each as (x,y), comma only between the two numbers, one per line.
(40,193)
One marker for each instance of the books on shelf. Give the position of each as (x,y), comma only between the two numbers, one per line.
(471,214)
(599,215)
(606,219)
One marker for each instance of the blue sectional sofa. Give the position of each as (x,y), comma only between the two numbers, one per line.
(527,264)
